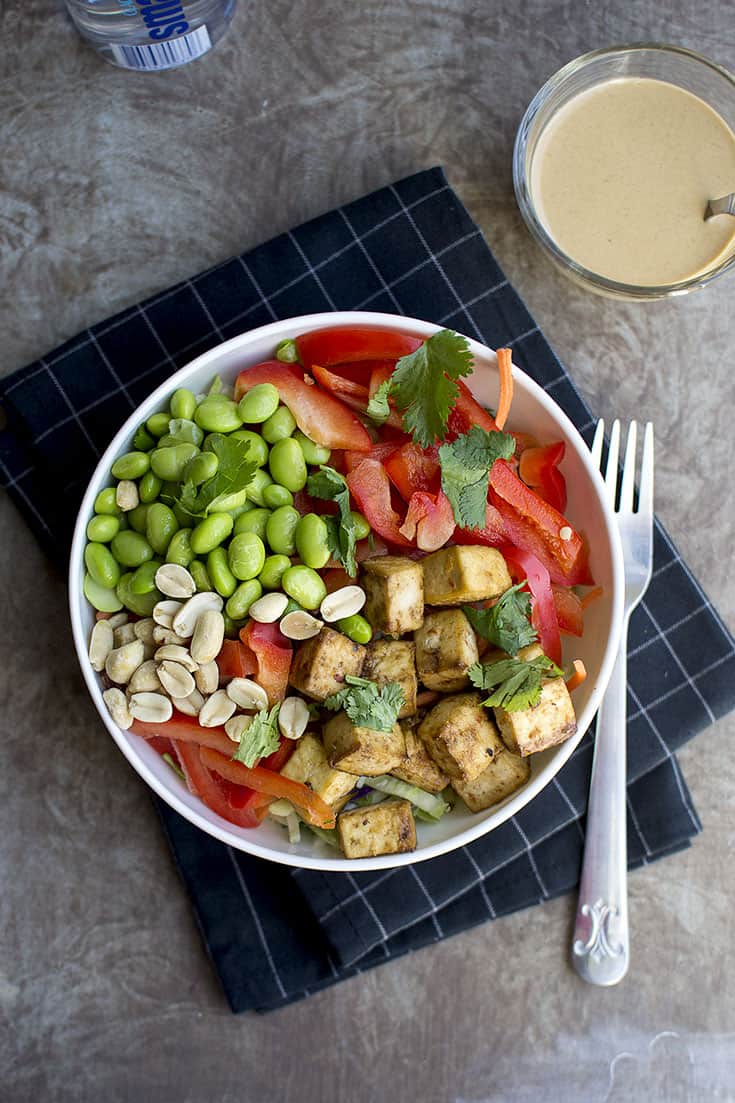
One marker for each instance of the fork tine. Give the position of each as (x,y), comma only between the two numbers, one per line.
(645,495)
(626,490)
(613,457)
(596,448)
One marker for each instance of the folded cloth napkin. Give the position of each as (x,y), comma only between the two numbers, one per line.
(274,934)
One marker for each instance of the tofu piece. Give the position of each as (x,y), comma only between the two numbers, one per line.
(418,768)
(359,750)
(393,661)
(395,594)
(460,736)
(550,721)
(446,647)
(308,764)
(321,663)
(464,573)
(506,773)
(386,828)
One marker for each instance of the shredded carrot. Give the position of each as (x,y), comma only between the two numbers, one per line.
(506,386)
(579,675)
(590,597)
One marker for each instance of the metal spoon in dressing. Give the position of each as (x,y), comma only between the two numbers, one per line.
(622,174)
(724,205)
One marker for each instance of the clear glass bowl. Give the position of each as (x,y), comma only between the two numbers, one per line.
(694,73)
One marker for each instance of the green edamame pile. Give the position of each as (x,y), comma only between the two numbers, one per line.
(239,535)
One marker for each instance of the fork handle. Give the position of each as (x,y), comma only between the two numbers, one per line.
(600,944)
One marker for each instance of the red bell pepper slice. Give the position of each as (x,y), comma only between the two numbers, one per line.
(235,661)
(235,807)
(370,487)
(492,535)
(160,744)
(467,412)
(411,468)
(185,729)
(380,451)
(523,564)
(429,520)
(338,385)
(347,344)
(313,808)
(569,611)
(539,469)
(272,652)
(319,415)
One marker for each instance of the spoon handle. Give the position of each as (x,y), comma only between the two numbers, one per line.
(724,205)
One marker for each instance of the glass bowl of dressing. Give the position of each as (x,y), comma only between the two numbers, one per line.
(614,162)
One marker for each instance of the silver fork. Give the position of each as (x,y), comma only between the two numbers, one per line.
(600,946)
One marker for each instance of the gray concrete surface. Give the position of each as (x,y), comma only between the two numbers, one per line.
(114,185)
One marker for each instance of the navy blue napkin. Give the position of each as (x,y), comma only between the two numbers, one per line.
(273,934)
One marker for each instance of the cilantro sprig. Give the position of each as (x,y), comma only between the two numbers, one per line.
(260,738)
(378,409)
(329,485)
(507,624)
(516,685)
(233,474)
(423,385)
(465,466)
(366,705)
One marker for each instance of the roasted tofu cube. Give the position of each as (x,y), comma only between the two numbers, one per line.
(460,736)
(321,663)
(359,750)
(308,764)
(418,768)
(387,828)
(464,573)
(393,661)
(550,721)
(446,647)
(395,594)
(506,773)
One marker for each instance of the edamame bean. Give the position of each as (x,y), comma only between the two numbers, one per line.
(260,480)
(183,403)
(201,468)
(362,525)
(246,556)
(100,562)
(157,424)
(258,450)
(255,520)
(292,607)
(169,463)
(181,431)
(217,415)
(131,549)
(198,572)
(160,525)
(287,464)
(246,593)
(312,541)
(101,529)
(273,568)
(275,496)
(106,502)
(131,466)
(281,528)
(287,352)
(179,550)
(279,425)
(100,597)
(210,532)
(143,580)
(313,452)
(143,441)
(140,604)
(246,507)
(219,572)
(356,628)
(305,586)
(137,518)
(258,404)
(149,488)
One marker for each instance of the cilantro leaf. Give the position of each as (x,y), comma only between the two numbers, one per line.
(465,465)
(508,623)
(377,408)
(516,685)
(260,738)
(423,385)
(329,485)
(233,474)
(366,705)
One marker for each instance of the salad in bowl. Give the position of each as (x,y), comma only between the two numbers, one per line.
(340,599)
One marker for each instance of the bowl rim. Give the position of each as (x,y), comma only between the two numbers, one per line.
(527,207)
(275,331)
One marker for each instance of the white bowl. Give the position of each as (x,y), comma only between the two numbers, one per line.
(533,412)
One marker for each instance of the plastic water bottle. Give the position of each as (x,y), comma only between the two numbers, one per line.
(151,35)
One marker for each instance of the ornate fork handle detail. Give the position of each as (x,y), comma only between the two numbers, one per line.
(599,944)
